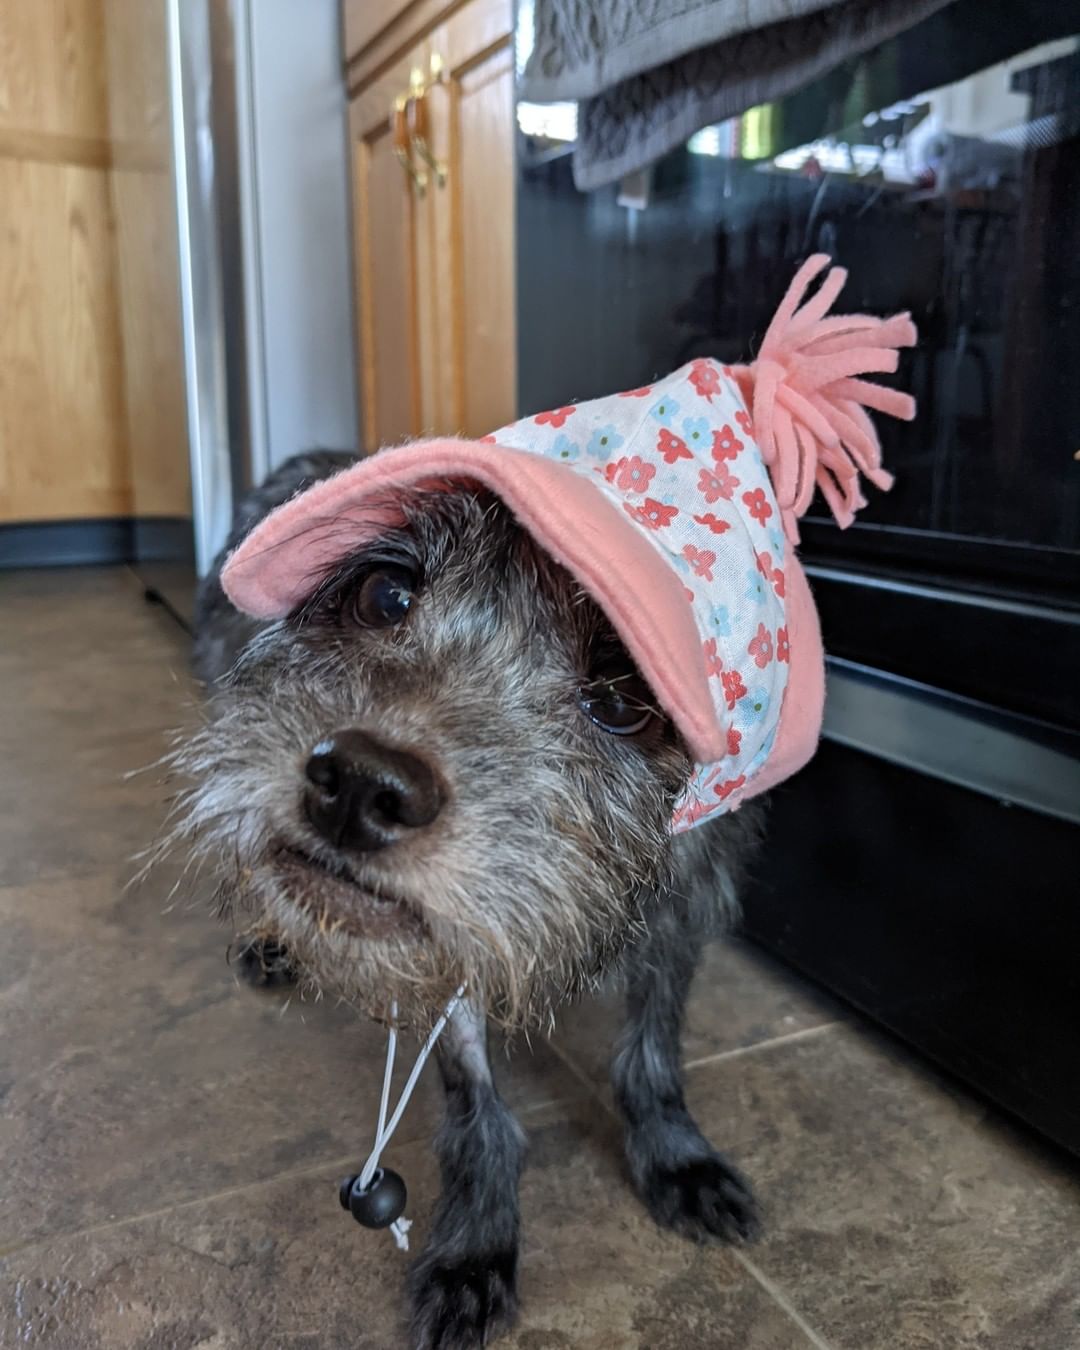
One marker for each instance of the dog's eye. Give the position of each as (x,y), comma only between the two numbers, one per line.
(383,597)
(620,703)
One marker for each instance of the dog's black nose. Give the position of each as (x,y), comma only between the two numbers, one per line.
(364,794)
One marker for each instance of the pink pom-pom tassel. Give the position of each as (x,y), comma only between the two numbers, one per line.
(809,403)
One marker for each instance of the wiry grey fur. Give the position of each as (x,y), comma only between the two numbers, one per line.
(550,865)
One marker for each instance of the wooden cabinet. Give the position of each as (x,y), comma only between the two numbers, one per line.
(62,446)
(92,418)
(432,136)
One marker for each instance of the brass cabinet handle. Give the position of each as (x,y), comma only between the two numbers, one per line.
(399,121)
(419,132)
(419,123)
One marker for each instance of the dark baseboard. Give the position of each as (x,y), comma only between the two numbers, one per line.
(164,539)
(66,543)
(73,543)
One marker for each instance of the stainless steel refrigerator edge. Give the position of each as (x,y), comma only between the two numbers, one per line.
(260,158)
(199,155)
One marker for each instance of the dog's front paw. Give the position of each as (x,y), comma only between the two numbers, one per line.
(462,1304)
(701,1199)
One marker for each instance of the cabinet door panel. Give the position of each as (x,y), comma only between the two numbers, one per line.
(435,268)
(387,285)
(472,122)
(483,160)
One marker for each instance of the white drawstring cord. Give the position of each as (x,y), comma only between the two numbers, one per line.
(388,1073)
(400,1227)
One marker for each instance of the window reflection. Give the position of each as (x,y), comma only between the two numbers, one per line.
(958,200)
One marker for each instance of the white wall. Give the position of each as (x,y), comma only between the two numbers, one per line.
(302,251)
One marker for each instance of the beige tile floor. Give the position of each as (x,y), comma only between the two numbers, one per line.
(171,1141)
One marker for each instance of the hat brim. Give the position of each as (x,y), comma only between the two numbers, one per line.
(286,556)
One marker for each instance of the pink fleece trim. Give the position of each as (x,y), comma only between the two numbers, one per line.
(283,558)
(804,698)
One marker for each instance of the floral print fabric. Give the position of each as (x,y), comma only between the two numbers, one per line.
(679,458)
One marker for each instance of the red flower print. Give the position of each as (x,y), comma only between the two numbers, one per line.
(783,647)
(771,573)
(713,664)
(760,647)
(692,812)
(556,417)
(734,689)
(654,515)
(672,447)
(630,474)
(726,789)
(715,524)
(759,507)
(688,593)
(725,444)
(734,738)
(746,426)
(719,483)
(684,817)
(487,440)
(701,560)
(643,392)
(705,378)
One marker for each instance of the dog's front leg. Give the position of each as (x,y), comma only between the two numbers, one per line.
(463,1287)
(685,1183)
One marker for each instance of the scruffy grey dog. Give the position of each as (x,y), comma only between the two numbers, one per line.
(443,768)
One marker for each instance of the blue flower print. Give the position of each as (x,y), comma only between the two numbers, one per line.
(762,754)
(565,449)
(755,589)
(720,621)
(604,442)
(665,412)
(696,433)
(754,705)
(776,539)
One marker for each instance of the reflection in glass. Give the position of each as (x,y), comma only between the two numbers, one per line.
(944,174)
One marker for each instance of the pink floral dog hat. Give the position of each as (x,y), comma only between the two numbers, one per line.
(675,507)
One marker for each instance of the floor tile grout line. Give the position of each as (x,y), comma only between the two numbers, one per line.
(738,1052)
(92,1230)
(781,1300)
(589,1083)
(772,1291)
(741,1051)
(291,1174)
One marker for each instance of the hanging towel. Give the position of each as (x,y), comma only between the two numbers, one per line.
(583,47)
(630,124)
